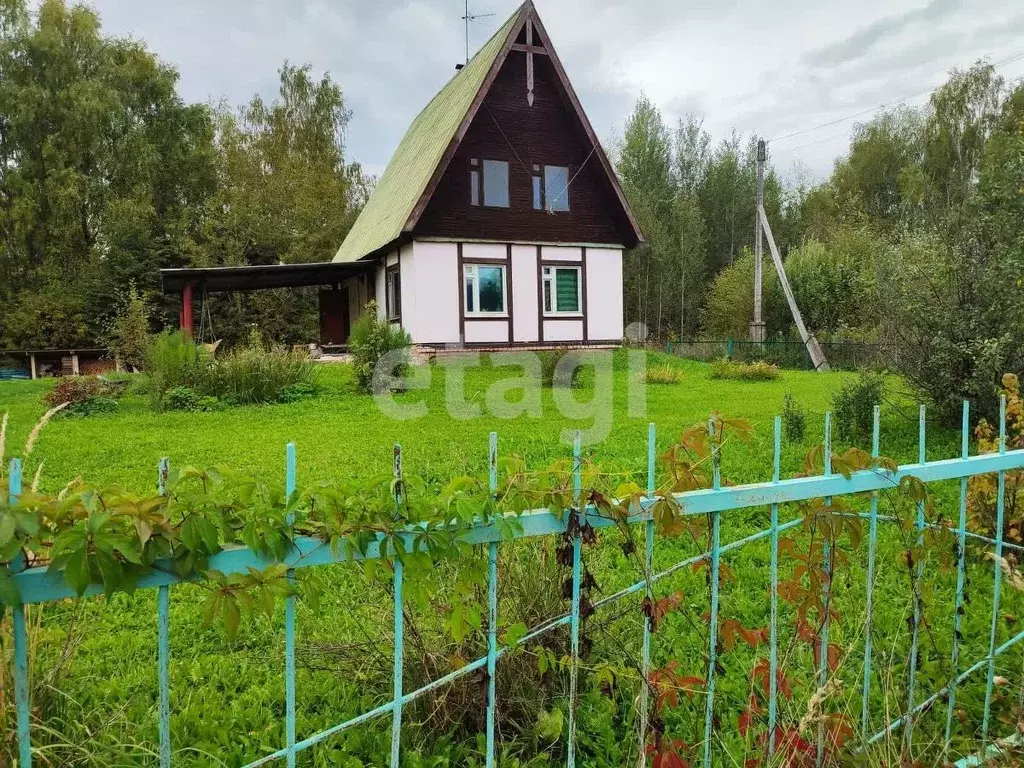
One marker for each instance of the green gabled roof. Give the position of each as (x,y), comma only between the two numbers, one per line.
(398,190)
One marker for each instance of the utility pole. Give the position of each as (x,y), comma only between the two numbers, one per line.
(764,229)
(757,325)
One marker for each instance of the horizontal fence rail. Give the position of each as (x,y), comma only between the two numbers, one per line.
(37,585)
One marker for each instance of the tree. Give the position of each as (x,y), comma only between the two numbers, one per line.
(102,169)
(287,195)
(873,184)
(964,112)
(645,168)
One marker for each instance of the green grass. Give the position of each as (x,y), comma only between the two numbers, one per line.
(227,698)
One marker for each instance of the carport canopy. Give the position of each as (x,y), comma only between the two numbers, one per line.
(254,278)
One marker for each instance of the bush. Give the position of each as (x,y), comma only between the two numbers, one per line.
(853,406)
(758,371)
(664,374)
(85,395)
(75,389)
(298,392)
(173,359)
(552,376)
(371,339)
(244,376)
(181,398)
(794,420)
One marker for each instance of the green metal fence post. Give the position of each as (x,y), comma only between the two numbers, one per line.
(819,757)
(773,653)
(908,730)
(577,577)
(716,536)
(21,692)
(163,644)
(492,607)
(396,717)
(961,537)
(289,621)
(997,575)
(645,651)
(870,586)
(729,349)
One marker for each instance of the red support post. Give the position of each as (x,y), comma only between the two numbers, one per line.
(186,309)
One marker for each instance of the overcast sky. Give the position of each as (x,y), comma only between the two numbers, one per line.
(771,68)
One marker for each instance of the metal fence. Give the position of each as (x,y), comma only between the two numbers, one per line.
(38,586)
(841,355)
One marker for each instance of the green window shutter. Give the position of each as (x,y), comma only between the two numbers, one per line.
(567,293)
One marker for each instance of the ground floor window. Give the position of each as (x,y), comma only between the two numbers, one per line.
(393,293)
(484,289)
(562,290)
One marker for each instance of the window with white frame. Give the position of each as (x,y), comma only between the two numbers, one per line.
(562,291)
(484,289)
(393,293)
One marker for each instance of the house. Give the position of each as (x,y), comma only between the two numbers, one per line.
(499,220)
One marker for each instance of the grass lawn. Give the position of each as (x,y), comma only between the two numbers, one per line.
(227,698)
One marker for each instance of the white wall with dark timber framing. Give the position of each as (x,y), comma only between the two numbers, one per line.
(433,287)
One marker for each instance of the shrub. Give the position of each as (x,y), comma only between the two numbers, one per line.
(181,398)
(371,339)
(295,393)
(664,374)
(552,376)
(853,406)
(757,371)
(244,376)
(93,407)
(173,359)
(984,489)
(84,395)
(794,420)
(75,389)
(253,375)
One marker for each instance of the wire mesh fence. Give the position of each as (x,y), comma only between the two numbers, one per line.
(841,355)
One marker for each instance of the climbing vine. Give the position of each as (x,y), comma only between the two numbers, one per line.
(108,538)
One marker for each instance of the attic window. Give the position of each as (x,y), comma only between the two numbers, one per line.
(488,183)
(550,188)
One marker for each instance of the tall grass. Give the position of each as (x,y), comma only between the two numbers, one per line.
(247,375)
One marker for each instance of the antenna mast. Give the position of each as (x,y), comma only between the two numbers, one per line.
(468,18)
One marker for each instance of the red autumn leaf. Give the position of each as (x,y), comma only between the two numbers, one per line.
(691,686)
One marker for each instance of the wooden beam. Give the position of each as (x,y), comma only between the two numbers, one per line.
(538,49)
(813,348)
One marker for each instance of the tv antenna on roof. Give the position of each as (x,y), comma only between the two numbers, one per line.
(468,18)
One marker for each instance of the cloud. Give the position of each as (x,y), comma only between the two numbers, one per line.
(866,38)
(741,65)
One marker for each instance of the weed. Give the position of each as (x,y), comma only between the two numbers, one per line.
(731,369)
(794,419)
(664,374)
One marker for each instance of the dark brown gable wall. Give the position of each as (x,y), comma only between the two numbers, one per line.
(546,133)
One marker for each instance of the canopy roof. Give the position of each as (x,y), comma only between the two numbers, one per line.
(249,278)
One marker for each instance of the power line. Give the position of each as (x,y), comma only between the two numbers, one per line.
(830,123)
(846,133)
